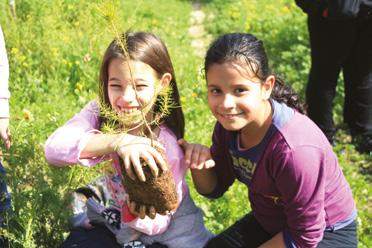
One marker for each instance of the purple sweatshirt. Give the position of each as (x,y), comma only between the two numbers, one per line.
(295,183)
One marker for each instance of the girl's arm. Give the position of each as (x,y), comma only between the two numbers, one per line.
(65,145)
(130,148)
(222,174)
(80,141)
(299,175)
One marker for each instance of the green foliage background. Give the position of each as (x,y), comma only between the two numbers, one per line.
(54,50)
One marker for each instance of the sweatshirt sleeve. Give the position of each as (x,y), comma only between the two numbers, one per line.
(175,158)
(300,178)
(4,77)
(65,145)
(223,164)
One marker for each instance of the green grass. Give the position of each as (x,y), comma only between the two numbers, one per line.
(54,49)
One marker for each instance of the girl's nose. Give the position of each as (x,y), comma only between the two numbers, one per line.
(228,101)
(128,95)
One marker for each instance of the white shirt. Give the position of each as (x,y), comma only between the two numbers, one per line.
(4,77)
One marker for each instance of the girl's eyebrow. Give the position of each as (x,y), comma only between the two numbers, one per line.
(141,80)
(113,79)
(240,85)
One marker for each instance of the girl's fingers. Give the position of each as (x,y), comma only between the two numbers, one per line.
(142,211)
(188,153)
(203,156)
(132,208)
(147,141)
(8,142)
(209,163)
(159,146)
(205,161)
(159,159)
(136,164)
(4,134)
(151,163)
(128,168)
(195,158)
(182,143)
(152,212)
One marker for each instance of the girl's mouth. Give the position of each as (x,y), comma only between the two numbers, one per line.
(230,116)
(129,110)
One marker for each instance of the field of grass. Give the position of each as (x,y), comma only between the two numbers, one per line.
(54,50)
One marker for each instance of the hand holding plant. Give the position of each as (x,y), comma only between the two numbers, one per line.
(131,154)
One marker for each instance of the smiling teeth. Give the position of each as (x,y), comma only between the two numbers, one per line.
(129,111)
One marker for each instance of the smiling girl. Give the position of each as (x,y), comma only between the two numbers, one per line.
(297,192)
(131,84)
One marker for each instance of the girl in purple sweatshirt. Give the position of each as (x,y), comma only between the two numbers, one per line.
(297,191)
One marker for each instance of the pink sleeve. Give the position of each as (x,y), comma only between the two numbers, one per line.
(178,168)
(64,146)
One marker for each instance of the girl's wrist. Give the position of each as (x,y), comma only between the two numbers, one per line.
(121,140)
(118,141)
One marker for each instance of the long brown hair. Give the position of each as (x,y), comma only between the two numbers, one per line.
(247,49)
(149,49)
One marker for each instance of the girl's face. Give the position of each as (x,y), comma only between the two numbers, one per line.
(124,77)
(236,97)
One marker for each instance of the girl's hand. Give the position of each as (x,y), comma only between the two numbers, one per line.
(144,210)
(141,148)
(196,156)
(5,133)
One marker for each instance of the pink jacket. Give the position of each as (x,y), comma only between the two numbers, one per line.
(64,146)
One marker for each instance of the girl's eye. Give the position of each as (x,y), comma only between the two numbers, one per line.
(214,91)
(240,90)
(140,86)
(115,86)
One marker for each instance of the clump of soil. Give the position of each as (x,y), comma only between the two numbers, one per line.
(159,191)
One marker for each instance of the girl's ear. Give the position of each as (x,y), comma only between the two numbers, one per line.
(166,79)
(268,86)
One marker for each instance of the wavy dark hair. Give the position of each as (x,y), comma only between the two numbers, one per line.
(246,50)
(149,49)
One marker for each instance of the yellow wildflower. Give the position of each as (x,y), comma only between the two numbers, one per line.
(27,115)
(14,50)
(87,58)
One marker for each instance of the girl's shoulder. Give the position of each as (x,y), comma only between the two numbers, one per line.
(166,135)
(169,140)
(301,131)
(92,106)
(90,112)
